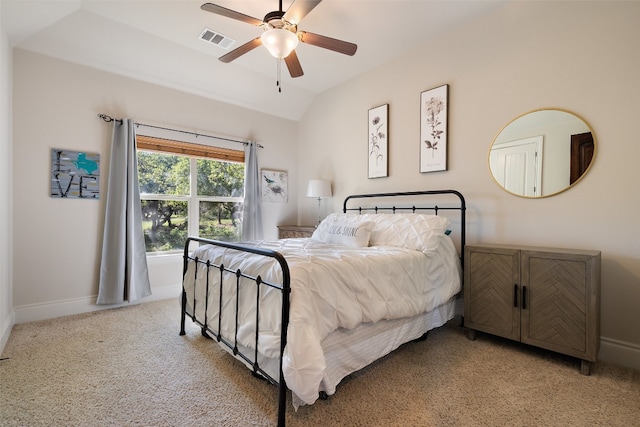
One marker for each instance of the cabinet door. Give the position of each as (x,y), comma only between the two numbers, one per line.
(554,307)
(491,295)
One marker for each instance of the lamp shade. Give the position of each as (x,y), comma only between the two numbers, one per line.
(279,42)
(319,188)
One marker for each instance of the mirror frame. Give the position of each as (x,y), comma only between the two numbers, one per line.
(593,158)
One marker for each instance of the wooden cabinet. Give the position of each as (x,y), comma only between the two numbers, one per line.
(291,231)
(549,298)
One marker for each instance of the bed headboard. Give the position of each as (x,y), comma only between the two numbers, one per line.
(412,202)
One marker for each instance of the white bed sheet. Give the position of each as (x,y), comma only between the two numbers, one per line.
(349,350)
(333,288)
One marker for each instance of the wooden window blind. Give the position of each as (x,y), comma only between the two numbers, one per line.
(188,149)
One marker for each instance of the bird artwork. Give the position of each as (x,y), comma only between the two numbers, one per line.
(269,181)
(274,188)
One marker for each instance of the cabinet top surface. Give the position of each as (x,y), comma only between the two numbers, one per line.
(297,227)
(532,248)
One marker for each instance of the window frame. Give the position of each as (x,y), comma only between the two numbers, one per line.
(194,152)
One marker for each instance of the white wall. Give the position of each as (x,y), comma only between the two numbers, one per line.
(57,242)
(579,56)
(6,294)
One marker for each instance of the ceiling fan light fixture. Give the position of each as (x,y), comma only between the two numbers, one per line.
(279,42)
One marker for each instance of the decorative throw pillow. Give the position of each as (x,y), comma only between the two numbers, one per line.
(320,232)
(354,234)
(344,229)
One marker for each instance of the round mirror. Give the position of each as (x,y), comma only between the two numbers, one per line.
(542,153)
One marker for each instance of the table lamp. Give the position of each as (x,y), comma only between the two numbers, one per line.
(319,188)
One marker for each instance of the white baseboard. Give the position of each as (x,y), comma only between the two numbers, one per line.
(53,309)
(621,353)
(6,325)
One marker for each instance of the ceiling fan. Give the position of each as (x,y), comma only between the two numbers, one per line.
(281,34)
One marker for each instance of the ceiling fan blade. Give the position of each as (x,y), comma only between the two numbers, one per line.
(223,11)
(328,43)
(299,9)
(239,51)
(293,64)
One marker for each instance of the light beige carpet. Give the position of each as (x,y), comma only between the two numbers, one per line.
(129,367)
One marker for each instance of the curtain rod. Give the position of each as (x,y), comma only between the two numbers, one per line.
(111,119)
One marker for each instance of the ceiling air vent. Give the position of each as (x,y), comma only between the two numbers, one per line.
(218,39)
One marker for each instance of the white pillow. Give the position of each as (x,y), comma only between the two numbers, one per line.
(320,233)
(412,231)
(344,229)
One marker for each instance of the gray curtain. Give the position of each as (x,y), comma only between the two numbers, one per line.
(252,214)
(123,269)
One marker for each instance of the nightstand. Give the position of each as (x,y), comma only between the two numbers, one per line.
(548,298)
(293,231)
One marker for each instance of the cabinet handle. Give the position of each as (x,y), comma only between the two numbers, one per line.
(524,297)
(515,295)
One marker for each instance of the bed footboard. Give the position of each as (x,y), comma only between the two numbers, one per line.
(236,275)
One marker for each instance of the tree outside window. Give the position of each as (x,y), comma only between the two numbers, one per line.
(186,196)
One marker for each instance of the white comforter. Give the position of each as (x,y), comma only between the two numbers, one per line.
(331,287)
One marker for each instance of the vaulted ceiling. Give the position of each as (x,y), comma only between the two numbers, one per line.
(159,41)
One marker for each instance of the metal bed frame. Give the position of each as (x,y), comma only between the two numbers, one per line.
(285,285)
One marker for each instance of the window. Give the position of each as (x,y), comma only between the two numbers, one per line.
(188,190)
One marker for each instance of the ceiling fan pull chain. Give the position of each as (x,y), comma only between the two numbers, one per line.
(279,75)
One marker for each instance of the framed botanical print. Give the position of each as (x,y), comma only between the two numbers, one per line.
(378,144)
(434,105)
